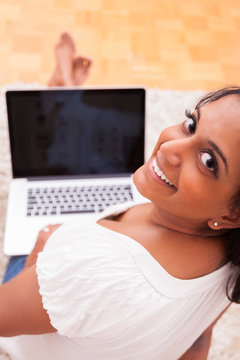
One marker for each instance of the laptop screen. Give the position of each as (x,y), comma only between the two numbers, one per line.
(76,132)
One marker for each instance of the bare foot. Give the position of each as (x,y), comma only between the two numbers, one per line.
(64,53)
(81,69)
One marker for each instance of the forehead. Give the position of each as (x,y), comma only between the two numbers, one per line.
(226,109)
(220,120)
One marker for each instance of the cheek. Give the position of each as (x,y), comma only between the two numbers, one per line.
(144,183)
(199,196)
(139,179)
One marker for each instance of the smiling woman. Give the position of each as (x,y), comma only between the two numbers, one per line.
(197,162)
(141,281)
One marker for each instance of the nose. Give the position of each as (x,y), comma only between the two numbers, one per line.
(175,150)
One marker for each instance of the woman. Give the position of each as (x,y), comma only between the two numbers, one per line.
(143,281)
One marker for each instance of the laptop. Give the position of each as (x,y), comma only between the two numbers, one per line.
(73,154)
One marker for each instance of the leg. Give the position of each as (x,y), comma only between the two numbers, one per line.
(15,265)
(64,53)
(69,71)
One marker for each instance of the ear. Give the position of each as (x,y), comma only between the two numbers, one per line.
(229,221)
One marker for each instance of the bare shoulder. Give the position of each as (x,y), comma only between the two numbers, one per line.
(186,257)
(182,256)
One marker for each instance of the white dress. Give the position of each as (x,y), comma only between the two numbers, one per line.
(109,298)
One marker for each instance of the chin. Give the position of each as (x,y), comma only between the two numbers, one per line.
(139,179)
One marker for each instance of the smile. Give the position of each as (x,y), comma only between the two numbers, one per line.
(160,173)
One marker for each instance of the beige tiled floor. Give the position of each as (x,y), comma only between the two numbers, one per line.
(187,44)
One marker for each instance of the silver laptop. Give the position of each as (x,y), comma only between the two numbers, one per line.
(73,154)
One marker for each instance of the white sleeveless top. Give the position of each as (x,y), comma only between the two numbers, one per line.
(109,298)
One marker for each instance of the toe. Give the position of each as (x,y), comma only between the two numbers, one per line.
(87,62)
(67,38)
(82,62)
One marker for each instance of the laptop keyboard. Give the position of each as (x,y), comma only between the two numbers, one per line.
(75,200)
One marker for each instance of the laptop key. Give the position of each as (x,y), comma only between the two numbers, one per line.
(77,211)
(32,202)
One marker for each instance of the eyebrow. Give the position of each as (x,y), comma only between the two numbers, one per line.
(198,113)
(214,146)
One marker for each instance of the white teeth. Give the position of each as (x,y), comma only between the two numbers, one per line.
(160,173)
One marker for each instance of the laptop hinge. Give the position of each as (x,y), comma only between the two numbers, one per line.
(75,177)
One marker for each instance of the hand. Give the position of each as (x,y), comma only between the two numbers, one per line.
(42,238)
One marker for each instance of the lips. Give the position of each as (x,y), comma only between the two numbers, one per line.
(160,174)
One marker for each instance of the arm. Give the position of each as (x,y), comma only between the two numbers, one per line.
(21,309)
(200,348)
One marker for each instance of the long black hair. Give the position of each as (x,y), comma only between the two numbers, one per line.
(232,237)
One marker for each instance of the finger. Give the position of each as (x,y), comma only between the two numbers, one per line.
(50,228)
(46,232)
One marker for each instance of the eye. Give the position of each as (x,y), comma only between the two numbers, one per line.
(190,123)
(209,160)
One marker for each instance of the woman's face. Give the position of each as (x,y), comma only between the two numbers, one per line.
(200,158)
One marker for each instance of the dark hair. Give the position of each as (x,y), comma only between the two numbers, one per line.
(232,237)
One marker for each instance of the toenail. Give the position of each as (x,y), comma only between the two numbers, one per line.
(85,62)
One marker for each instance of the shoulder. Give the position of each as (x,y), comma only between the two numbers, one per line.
(182,256)
(193,257)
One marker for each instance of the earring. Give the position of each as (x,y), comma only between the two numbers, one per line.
(215,223)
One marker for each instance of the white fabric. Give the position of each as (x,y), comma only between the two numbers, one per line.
(110,299)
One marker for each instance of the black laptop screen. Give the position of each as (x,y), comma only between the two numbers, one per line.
(76,132)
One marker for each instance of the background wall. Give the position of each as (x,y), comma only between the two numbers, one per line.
(179,44)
